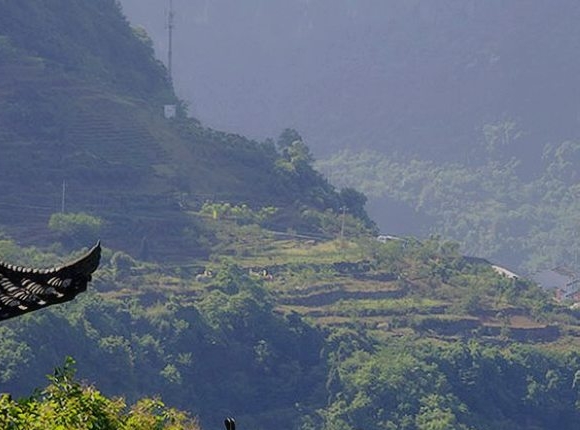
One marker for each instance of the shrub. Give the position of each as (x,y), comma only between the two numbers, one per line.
(76,227)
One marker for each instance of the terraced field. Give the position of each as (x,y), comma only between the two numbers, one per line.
(331,284)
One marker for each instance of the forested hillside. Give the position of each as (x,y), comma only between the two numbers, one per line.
(408,76)
(489,207)
(483,95)
(82,130)
(313,335)
(235,280)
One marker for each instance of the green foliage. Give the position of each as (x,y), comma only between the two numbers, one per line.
(122,264)
(9,250)
(335,224)
(31,256)
(83,94)
(522,221)
(141,34)
(287,138)
(72,406)
(13,354)
(499,136)
(354,202)
(237,343)
(436,414)
(68,404)
(87,38)
(409,305)
(76,228)
(413,385)
(176,348)
(242,214)
(395,385)
(173,337)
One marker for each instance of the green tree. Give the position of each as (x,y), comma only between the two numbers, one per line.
(66,404)
(287,138)
(76,228)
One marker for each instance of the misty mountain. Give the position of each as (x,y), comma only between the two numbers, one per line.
(235,280)
(414,77)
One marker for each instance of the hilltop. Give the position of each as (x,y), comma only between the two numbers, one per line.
(82,128)
(456,118)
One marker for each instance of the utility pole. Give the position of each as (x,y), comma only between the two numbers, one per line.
(63,197)
(342,223)
(170,26)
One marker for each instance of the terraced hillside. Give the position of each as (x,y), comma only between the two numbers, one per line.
(392,289)
(469,301)
(82,129)
(57,131)
(276,312)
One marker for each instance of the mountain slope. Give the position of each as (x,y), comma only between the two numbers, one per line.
(413,77)
(296,334)
(276,328)
(82,126)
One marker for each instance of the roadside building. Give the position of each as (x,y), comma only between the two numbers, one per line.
(562,281)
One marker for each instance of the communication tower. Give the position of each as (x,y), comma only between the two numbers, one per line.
(170,27)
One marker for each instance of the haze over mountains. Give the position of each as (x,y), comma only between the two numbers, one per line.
(82,130)
(414,76)
(235,280)
(484,94)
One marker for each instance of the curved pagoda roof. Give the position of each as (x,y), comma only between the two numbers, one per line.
(24,289)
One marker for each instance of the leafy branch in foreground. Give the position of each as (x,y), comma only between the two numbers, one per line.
(69,404)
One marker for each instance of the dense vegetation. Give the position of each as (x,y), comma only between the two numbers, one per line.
(449,83)
(83,39)
(423,385)
(69,404)
(490,206)
(302,335)
(81,107)
(236,281)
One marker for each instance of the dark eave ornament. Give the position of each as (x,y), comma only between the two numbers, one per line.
(24,289)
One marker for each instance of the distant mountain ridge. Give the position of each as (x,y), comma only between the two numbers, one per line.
(414,76)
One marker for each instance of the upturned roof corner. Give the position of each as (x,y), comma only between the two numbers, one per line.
(25,289)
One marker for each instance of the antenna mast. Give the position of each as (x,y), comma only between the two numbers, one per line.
(170,26)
